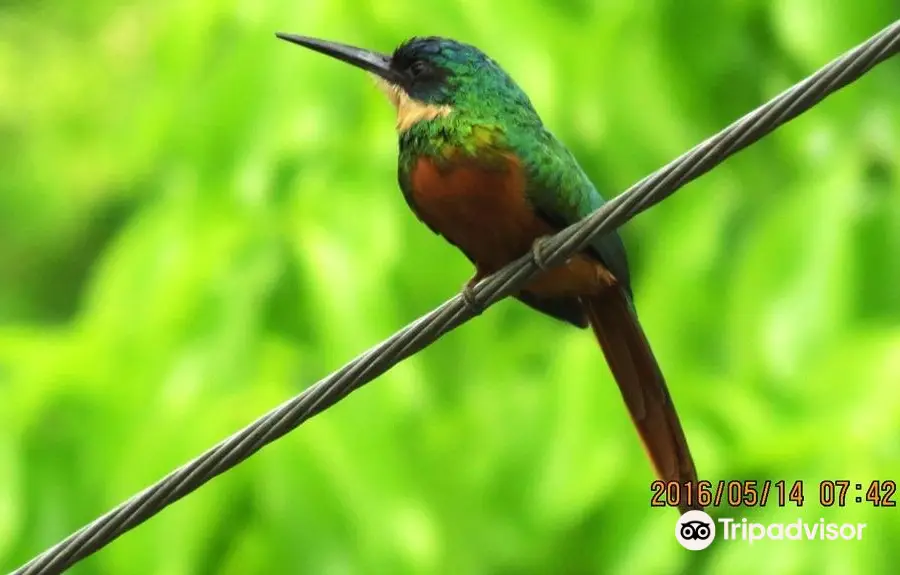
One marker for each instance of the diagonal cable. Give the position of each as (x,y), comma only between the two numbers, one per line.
(458,310)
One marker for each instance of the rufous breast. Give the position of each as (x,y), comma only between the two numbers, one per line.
(479,206)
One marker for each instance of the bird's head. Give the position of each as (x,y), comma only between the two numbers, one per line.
(433,77)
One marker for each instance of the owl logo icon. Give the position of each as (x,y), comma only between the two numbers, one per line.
(695,530)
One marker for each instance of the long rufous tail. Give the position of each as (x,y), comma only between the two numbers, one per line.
(642,385)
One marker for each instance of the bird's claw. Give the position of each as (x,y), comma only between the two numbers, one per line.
(537,253)
(469,297)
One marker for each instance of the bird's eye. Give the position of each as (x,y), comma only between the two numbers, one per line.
(418,68)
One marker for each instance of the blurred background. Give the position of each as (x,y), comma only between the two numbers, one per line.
(197,221)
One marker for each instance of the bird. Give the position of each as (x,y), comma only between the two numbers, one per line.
(477,166)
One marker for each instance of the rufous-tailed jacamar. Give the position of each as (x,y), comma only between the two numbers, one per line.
(478,167)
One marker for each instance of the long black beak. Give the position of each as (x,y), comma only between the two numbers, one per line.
(368,60)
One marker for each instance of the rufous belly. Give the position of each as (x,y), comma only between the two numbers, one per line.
(482,208)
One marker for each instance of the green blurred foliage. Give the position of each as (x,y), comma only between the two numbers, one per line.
(197,221)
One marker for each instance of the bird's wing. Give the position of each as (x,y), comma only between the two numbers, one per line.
(562,194)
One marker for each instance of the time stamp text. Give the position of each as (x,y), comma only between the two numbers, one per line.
(750,493)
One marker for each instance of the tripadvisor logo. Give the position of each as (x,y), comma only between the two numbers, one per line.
(695,530)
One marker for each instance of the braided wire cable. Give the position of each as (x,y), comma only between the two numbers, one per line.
(547,252)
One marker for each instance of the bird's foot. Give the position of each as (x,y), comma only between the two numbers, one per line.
(538,253)
(469,297)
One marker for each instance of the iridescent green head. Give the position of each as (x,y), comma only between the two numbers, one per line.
(427,78)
